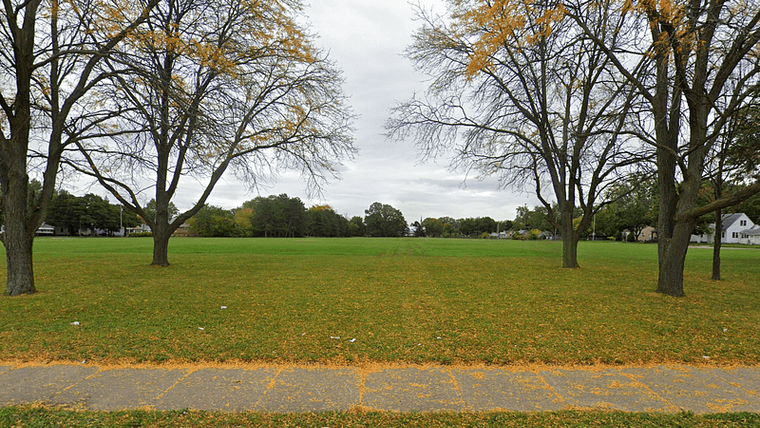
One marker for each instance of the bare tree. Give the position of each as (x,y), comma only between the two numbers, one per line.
(684,58)
(519,93)
(733,161)
(211,86)
(48,55)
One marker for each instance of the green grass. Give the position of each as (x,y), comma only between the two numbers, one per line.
(408,300)
(41,417)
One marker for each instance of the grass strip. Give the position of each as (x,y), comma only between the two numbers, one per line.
(29,417)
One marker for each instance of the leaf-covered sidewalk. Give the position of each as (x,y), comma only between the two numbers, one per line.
(288,389)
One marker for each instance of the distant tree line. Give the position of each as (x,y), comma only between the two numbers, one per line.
(634,208)
(77,215)
(283,216)
(448,227)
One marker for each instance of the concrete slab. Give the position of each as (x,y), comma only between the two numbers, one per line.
(226,390)
(312,390)
(746,379)
(504,390)
(604,390)
(275,389)
(121,389)
(692,389)
(39,384)
(412,390)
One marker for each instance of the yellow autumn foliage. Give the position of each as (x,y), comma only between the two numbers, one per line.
(257,29)
(495,23)
(321,208)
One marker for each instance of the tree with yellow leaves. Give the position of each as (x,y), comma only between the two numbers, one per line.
(49,55)
(209,86)
(691,65)
(694,64)
(520,92)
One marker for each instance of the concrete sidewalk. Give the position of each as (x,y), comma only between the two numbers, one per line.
(303,389)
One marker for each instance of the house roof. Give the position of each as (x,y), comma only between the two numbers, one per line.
(752,231)
(729,219)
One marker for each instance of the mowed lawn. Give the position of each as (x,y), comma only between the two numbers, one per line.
(362,300)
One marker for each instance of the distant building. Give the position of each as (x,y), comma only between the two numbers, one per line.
(751,236)
(737,229)
(45,230)
(504,234)
(546,235)
(141,228)
(648,234)
(183,230)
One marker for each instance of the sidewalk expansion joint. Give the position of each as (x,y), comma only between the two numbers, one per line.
(462,404)
(651,391)
(271,385)
(551,389)
(86,378)
(182,379)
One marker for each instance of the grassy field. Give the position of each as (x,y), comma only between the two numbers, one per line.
(403,300)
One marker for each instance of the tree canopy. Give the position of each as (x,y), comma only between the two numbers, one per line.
(49,55)
(383,220)
(211,86)
(571,96)
(693,65)
(520,92)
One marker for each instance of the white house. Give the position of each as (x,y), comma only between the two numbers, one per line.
(750,236)
(141,228)
(45,229)
(737,229)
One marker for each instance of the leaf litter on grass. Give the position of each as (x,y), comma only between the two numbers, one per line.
(486,309)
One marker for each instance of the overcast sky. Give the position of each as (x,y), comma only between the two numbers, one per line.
(366,39)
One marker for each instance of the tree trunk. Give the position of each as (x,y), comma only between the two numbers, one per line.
(161,246)
(570,253)
(717,241)
(18,256)
(14,179)
(672,257)
(569,241)
(18,243)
